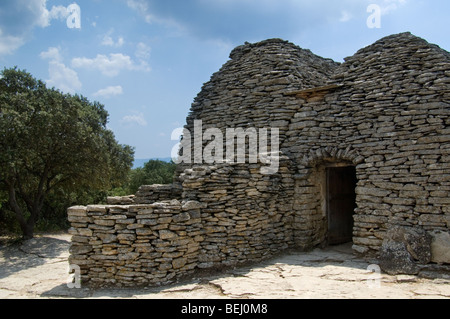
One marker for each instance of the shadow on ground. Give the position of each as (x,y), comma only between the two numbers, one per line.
(31,253)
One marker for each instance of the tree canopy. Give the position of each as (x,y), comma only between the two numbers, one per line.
(50,141)
(153,172)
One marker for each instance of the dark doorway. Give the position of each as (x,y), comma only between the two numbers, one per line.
(341,203)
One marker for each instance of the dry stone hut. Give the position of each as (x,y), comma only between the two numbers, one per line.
(362,155)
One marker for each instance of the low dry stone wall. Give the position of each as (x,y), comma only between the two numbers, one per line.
(137,244)
(248,216)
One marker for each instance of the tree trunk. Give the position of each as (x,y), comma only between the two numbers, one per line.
(27,227)
(27,231)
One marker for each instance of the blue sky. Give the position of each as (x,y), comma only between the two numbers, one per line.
(146,60)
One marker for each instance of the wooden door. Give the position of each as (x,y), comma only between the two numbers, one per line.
(341,203)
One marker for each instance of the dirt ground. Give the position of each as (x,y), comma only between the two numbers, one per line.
(38,268)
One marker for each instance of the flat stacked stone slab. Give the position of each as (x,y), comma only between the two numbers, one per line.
(148,194)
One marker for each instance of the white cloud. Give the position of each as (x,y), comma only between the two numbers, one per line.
(39,7)
(109,41)
(134,119)
(345,16)
(58,12)
(142,7)
(43,15)
(109,91)
(70,14)
(52,54)
(143,54)
(388,6)
(110,65)
(8,43)
(19,18)
(143,51)
(61,76)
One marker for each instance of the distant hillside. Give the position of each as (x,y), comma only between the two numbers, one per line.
(139,162)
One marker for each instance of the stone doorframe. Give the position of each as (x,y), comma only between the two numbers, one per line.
(310,200)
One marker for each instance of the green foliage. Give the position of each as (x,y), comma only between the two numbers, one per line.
(153,172)
(51,144)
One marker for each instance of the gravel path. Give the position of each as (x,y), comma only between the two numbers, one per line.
(39,269)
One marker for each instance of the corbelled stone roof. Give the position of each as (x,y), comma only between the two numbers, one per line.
(254,77)
(252,81)
(396,57)
(306,69)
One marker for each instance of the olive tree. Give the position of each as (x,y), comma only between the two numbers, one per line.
(50,140)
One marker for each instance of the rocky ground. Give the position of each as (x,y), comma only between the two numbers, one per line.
(39,269)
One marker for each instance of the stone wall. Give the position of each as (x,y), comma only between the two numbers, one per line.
(247,217)
(391,116)
(137,244)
